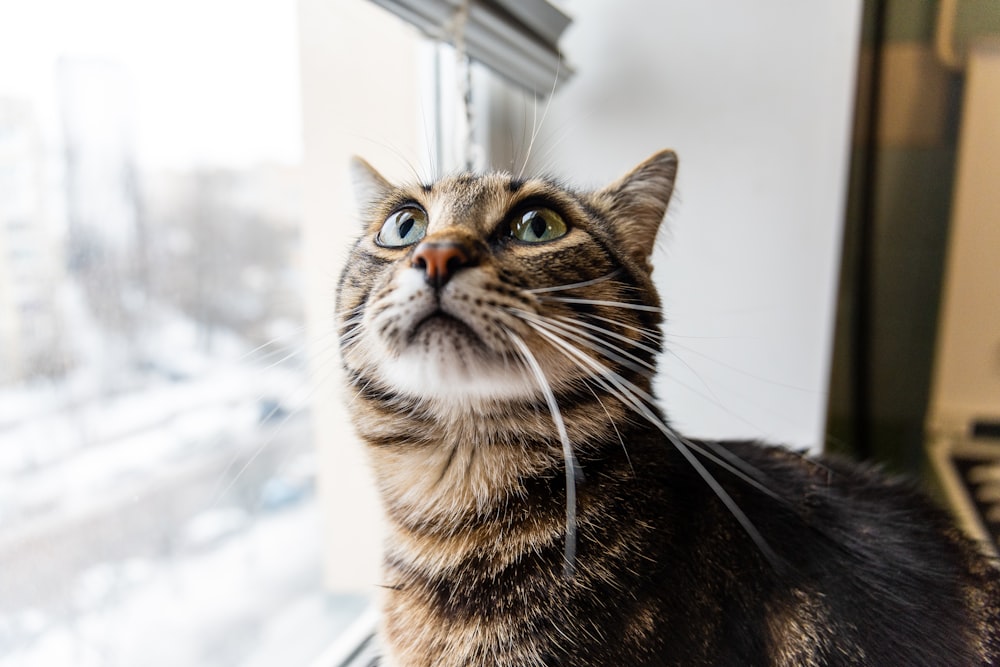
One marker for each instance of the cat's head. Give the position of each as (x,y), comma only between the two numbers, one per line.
(465,290)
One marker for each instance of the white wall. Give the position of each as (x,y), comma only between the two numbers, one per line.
(361,93)
(756,99)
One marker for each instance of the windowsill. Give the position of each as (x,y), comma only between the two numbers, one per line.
(356,646)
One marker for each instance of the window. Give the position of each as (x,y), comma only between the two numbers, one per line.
(179,482)
(157,469)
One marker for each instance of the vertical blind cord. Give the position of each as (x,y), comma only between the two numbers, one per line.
(472,152)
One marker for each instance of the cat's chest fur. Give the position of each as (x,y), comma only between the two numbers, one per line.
(499,337)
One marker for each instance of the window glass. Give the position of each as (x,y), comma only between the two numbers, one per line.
(157,467)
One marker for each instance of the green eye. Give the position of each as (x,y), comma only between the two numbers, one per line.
(537,225)
(404,227)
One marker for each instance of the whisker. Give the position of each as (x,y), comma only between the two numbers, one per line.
(630,394)
(621,388)
(736,369)
(361,390)
(600,302)
(613,425)
(297,397)
(396,151)
(219,488)
(711,396)
(601,347)
(351,315)
(534,133)
(350,339)
(222,489)
(627,392)
(350,331)
(650,334)
(535,130)
(612,334)
(568,456)
(726,499)
(715,399)
(266,344)
(585,283)
(295,352)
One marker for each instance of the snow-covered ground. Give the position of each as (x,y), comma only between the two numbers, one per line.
(253,599)
(158,508)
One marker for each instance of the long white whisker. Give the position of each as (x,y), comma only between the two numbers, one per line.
(631,394)
(604,331)
(592,342)
(736,369)
(534,132)
(568,456)
(222,489)
(361,390)
(398,153)
(649,334)
(726,499)
(350,338)
(290,355)
(613,425)
(350,331)
(585,283)
(266,344)
(711,397)
(715,399)
(599,302)
(535,129)
(631,397)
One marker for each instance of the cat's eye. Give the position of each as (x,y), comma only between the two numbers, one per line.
(537,225)
(404,227)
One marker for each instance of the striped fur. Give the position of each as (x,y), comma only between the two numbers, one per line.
(542,512)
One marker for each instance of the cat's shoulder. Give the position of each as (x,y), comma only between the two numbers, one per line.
(878,515)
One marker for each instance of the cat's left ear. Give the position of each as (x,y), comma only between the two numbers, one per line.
(639,201)
(369,185)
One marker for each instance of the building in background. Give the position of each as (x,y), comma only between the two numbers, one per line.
(152,419)
(101,184)
(30,250)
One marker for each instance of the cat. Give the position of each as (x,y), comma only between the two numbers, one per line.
(499,336)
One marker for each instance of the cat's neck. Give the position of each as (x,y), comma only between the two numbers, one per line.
(438,467)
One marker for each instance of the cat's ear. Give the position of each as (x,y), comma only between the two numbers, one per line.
(638,202)
(369,185)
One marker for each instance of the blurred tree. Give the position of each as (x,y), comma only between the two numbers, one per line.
(221,263)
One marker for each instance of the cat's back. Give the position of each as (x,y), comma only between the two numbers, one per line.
(836,565)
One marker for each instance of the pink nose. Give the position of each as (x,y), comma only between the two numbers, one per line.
(440,260)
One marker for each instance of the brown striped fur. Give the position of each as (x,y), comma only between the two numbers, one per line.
(784,562)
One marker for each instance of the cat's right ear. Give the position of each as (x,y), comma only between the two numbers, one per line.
(369,185)
(639,201)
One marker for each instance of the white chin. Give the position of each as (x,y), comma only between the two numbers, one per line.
(455,379)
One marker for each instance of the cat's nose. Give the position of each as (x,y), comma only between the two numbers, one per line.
(440,260)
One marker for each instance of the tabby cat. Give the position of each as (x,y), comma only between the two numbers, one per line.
(499,337)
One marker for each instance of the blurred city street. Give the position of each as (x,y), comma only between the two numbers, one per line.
(157,457)
(171,525)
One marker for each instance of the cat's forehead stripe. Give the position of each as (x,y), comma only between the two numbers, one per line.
(480,200)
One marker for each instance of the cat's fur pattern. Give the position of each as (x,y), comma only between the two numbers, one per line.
(470,468)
